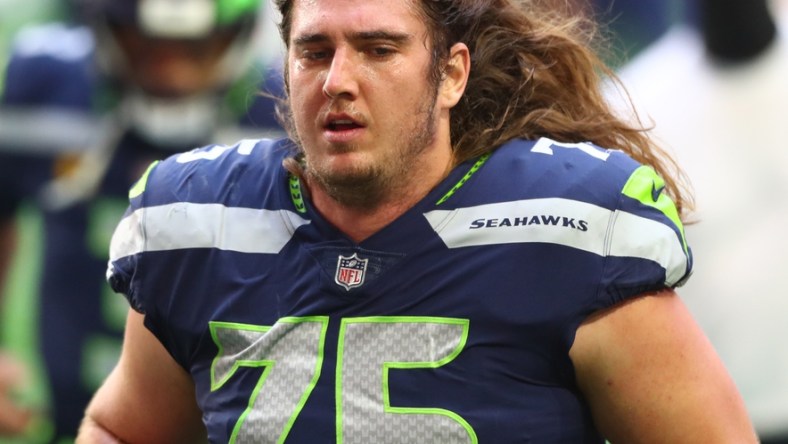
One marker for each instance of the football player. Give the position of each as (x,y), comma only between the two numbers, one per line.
(459,243)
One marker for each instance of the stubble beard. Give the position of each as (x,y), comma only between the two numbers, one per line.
(369,186)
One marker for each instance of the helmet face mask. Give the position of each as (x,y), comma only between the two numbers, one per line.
(172,67)
(172,48)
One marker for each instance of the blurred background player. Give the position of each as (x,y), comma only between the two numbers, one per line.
(715,87)
(85,108)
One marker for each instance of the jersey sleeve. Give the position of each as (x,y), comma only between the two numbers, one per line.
(162,251)
(143,233)
(646,245)
(141,265)
(136,268)
(127,244)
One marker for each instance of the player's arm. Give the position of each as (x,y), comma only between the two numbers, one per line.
(148,398)
(14,418)
(651,376)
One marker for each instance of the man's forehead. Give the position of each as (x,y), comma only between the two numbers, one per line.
(316,2)
(356,4)
(354,16)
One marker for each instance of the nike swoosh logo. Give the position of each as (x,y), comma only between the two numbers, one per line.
(655,192)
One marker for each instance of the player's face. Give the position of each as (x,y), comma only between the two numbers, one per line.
(172,68)
(363,107)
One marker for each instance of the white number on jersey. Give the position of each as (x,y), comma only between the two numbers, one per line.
(545,146)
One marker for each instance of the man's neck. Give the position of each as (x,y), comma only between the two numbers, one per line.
(359,223)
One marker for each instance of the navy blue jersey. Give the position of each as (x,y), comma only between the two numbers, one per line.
(452,324)
(53,73)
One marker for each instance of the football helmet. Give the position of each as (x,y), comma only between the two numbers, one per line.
(172,59)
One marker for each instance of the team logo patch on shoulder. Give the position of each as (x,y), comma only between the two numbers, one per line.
(350,271)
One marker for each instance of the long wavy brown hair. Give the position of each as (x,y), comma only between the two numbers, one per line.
(536,71)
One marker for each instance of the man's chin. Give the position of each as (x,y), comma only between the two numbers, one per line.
(354,188)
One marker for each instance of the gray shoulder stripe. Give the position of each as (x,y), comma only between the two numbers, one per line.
(566,222)
(189,225)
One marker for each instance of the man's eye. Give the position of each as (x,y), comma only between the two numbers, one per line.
(381,51)
(315,55)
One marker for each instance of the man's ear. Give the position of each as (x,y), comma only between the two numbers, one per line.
(455,75)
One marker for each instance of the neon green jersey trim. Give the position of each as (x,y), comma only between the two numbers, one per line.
(646,186)
(296,195)
(476,166)
(139,187)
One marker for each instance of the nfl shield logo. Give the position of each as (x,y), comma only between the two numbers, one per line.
(350,271)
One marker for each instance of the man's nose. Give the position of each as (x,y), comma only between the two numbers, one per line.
(341,77)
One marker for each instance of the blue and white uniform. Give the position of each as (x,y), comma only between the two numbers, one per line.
(452,324)
(53,77)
